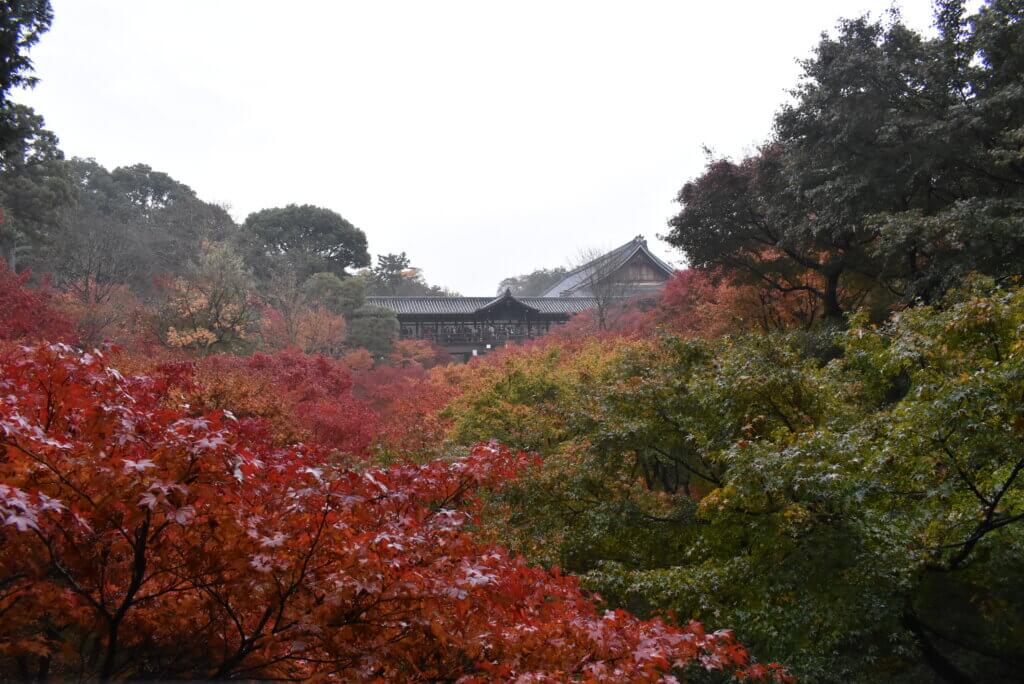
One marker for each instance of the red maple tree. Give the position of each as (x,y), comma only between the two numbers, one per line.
(27,313)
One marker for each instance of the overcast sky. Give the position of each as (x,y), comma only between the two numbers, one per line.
(484,139)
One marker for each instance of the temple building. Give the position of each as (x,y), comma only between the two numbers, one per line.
(630,271)
(470,326)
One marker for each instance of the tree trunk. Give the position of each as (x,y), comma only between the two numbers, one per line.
(933,656)
(831,309)
(11,257)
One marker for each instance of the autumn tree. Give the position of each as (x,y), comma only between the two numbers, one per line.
(212,308)
(119,317)
(710,304)
(28,315)
(303,397)
(408,401)
(144,541)
(417,352)
(313,330)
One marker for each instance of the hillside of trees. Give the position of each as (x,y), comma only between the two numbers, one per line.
(803,462)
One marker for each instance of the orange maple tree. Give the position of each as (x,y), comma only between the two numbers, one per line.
(139,539)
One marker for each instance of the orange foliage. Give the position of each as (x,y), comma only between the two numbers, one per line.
(699,304)
(710,304)
(422,352)
(358,359)
(312,330)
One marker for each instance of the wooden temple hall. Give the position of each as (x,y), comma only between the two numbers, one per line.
(471,326)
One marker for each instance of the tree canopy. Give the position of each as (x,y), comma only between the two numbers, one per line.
(35,187)
(130,225)
(22,24)
(395,276)
(218,459)
(859,519)
(896,171)
(141,540)
(305,239)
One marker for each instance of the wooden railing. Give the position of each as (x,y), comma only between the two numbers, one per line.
(481,337)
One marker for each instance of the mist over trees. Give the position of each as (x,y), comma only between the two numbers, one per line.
(533,284)
(804,460)
(134,251)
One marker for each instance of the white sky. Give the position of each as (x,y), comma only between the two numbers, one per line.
(485,139)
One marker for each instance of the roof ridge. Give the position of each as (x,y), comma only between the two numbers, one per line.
(599,258)
(610,261)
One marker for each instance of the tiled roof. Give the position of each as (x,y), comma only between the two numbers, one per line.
(560,304)
(579,278)
(470,305)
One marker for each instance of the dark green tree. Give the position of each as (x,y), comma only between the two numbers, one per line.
(304,239)
(130,225)
(896,170)
(339,295)
(35,187)
(395,276)
(373,328)
(390,273)
(22,23)
(172,221)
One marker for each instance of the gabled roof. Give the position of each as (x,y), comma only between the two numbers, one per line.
(480,305)
(581,277)
(505,300)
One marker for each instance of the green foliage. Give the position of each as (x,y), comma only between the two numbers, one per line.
(373,328)
(304,239)
(896,171)
(860,518)
(33,183)
(395,276)
(339,295)
(34,186)
(515,400)
(22,23)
